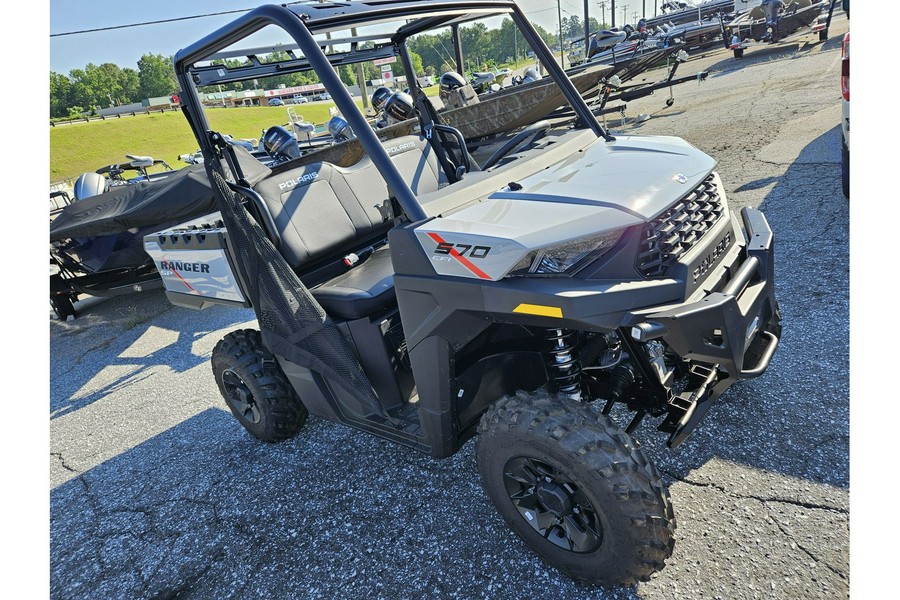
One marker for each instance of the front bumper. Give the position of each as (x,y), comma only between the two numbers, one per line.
(721,327)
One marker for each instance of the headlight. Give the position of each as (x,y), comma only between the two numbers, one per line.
(568,257)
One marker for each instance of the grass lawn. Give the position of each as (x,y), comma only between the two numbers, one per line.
(82,147)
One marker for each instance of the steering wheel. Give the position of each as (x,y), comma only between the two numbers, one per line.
(532,133)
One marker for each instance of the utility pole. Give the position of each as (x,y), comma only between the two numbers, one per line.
(516,43)
(562,60)
(624,15)
(587,29)
(602,5)
(644,9)
(612,13)
(361,80)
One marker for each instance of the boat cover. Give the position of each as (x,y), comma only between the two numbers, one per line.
(185,194)
(181,196)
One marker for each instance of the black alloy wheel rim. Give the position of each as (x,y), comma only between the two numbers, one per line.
(552,504)
(240,397)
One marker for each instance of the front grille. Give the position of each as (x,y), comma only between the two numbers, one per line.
(668,237)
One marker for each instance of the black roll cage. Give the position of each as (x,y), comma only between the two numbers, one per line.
(301,22)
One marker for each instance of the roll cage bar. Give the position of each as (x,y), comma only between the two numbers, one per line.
(301,22)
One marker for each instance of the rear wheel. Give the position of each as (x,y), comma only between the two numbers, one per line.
(256,391)
(576,489)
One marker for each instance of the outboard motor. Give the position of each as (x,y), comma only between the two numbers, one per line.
(772,8)
(399,107)
(379,97)
(531,74)
(339,129)
(90,184)
(280,144)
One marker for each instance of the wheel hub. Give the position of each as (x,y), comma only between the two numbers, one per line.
(552,504)
(238,394)
(555,498)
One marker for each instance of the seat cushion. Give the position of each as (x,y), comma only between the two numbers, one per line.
(361,291)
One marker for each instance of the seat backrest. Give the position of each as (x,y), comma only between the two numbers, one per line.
(417,162)
(321,210)
(462,96)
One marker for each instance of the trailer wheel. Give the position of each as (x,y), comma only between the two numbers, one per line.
(576,489)
(61,298)
(62,306)
(258,394)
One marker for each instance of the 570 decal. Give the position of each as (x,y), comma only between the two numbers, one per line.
(462,249)
(461,253)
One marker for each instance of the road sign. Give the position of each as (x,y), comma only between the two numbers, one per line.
(387,76)
(386,68)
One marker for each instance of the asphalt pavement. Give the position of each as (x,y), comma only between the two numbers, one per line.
(157,492)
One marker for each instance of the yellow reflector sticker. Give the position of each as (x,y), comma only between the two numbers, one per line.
(537,309)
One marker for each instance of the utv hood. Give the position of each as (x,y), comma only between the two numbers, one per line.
(602,187)
(641,176)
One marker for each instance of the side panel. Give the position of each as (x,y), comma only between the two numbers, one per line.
(195,262)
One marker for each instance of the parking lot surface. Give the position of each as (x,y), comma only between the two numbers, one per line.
(157,492)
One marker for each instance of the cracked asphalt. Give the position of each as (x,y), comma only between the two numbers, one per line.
(157,492)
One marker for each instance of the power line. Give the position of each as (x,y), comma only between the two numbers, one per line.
(173,20)
(161,21)
(202,16)
(540,10)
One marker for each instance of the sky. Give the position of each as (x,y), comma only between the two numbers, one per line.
(125,46)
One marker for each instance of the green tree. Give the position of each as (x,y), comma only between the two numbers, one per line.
(60,94)
(130,84)
(97,86)
(435,49)
(156,74)
(416,59)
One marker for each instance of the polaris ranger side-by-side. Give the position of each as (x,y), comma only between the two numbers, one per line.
(414,287)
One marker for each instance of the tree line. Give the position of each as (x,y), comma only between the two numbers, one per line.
(488,47)
(99,86)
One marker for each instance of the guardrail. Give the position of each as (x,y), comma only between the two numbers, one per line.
(132,113)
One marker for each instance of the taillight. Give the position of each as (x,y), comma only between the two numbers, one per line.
(845,67)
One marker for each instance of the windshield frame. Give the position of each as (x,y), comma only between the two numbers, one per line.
(302,22)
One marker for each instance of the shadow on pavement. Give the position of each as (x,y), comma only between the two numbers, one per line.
(763,53)
(205,511)
(121,341)
(794,419)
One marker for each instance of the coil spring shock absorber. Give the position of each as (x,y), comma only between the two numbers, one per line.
(562,364)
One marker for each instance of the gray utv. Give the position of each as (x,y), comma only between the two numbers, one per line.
(527,290)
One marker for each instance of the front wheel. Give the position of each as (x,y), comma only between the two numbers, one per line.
(576,489)
(255,390)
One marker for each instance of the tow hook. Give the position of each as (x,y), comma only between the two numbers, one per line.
(688,408)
